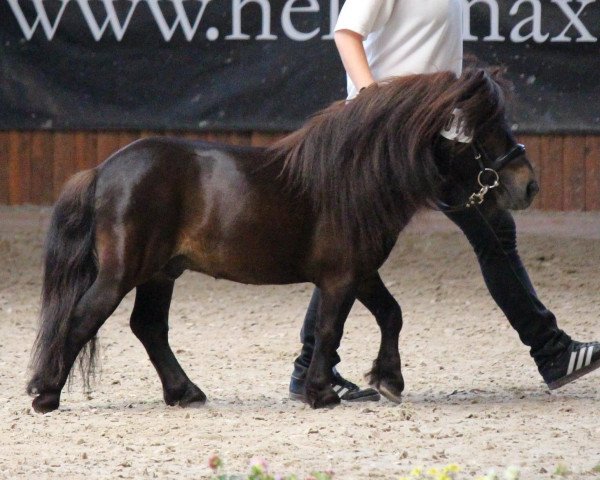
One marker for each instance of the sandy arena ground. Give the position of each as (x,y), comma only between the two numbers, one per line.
(473,395)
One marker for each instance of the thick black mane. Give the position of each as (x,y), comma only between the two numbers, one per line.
(368,164)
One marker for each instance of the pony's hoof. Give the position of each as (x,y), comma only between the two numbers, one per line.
(188,396)
(46,402)
(193,397)
(391,391)
(390,388)
(322,398)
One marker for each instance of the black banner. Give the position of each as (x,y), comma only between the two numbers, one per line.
(261,64)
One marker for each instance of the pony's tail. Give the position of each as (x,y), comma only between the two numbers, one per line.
(70,268)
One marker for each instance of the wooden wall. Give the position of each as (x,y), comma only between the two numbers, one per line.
(34,165)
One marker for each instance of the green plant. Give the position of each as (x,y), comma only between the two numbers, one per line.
(259,470)
(562,470)
(448,472)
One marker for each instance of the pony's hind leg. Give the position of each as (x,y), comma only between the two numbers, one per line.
(149,323)
(386,374)
(92,310)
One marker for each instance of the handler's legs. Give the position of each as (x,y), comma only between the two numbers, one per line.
(492,234)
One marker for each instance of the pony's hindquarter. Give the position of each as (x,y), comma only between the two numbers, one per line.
(69,271)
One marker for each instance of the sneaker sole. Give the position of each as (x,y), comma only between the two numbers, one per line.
(574,376)
(375,397)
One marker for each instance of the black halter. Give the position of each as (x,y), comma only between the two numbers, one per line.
(503,160)
(488,177)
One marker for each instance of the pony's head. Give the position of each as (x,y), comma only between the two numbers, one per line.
(478,152)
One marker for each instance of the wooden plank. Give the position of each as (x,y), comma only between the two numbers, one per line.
(532,145)
(37,173)
(191,135)
(592,173)
(65,163)
(239,138)
(108,143)
(228,138)
(261,139)
(86,153)
(209,137)
(4,152)
(14,169)
(19,168)
(42,175)
(125,138)
(149,133)
(574,173)
(24,149)
(551,159)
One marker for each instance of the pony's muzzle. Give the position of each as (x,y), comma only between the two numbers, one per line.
(519,188)
(532,190)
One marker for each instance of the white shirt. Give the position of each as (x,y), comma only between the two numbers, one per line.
(403,37)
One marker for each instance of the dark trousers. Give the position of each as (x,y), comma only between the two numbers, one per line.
(492,235)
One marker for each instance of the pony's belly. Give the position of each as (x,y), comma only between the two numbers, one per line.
(242,262)
(249,274)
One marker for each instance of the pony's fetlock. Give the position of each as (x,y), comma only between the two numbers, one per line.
(33,387)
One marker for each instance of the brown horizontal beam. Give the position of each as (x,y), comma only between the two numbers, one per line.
(35,164)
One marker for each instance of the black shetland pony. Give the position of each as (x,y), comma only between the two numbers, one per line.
(324,205)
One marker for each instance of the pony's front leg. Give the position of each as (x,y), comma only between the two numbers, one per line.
(333,310)
(386,374)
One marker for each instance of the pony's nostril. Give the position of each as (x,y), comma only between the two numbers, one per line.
(532,189)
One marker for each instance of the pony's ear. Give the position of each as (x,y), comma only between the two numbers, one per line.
(497,73)
(473,80)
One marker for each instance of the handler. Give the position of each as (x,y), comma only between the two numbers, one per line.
(377,39)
